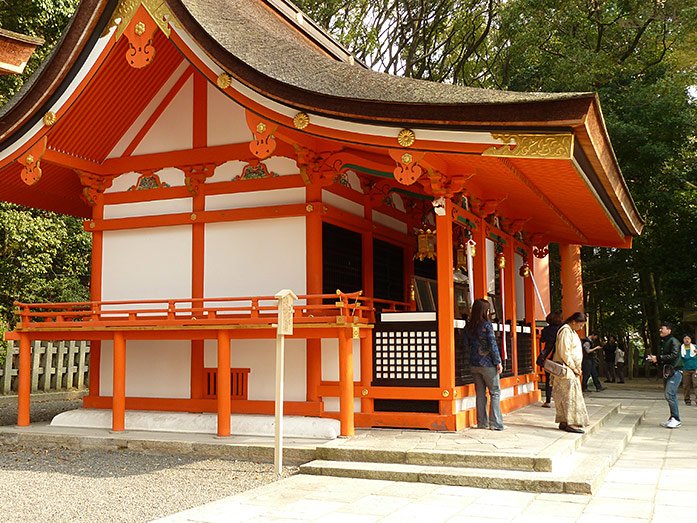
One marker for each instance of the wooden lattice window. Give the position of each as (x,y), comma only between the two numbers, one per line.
(405,354)
(239,383)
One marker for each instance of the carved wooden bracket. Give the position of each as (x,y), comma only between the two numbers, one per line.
(513,227)
(441,185)
(485,208)
(195,175)
(408,169)
(317,168)
(94,185)
(140,33)
(264,143)
(377,192)
(31,162)
(540,247)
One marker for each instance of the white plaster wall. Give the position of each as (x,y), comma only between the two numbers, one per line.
(281,165)
(226,119)
(173,130)
(525,388)
(151,208)
(490,267)
(154,369)
(519,287)
(255,199)
(466,403)
(354,181)
(342,203)
(152,263)
(332,404)
(255,258)
(260,357)
(389,221)
(172,176)
(508,392)
(330,360)
(123,182)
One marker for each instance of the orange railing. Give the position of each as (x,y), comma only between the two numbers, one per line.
(312,308)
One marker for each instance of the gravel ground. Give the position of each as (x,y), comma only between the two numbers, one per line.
(63,485)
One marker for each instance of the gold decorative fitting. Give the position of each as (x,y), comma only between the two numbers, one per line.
(309,207)
(406,138)
(407,158)
(364,392)
(555,146)
(356,332)
(50,118)
(127,9)
(261,127)
(425,245)
(92,225)
(223,81)
(500,261)
(30,159)
(301,120)
(139,29)
(524,270)
(193,217)
(446,393)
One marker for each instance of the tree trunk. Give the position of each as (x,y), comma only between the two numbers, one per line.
(650,299)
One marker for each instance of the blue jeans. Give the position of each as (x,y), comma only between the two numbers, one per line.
(488,378)
(671,393)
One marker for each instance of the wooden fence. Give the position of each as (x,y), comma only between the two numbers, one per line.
(61,365)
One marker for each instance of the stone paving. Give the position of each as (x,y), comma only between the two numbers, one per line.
(654,480)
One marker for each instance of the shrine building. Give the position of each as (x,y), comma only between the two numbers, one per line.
(222,150)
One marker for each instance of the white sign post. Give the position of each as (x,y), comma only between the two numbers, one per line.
(285,299)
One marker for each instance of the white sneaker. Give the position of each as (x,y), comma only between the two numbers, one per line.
(665,423)
(673,424)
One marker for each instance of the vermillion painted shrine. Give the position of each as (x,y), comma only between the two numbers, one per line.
(223,150)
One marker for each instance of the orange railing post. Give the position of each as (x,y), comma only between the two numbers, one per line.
(223,389)
(24,386)
(118,404)
(346,383)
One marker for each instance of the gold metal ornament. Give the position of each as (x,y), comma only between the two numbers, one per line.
(524,270)
(557,146)
(193,217)
(139,29)
(223,81)
(261,127)
(92,225)
(500,261)
(309,207)
(461,257)
(50,118)
(364,392)
(301,120)
(407,158)
(446,393)
(406,138)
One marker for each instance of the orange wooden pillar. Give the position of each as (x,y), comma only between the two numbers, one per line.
(313,239)
(118,405)
(446,308)
(346,411)
(366,342)
(96,295)
(367,404)
(479,261)
(571,279)
(511,312)
(24,385)
(223,392)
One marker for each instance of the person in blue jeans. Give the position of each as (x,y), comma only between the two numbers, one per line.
(485,364)
(669,358)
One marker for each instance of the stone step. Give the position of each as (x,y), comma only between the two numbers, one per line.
(347,450)
(579,472)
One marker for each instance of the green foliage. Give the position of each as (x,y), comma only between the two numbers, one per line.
(42,18)
(44,257)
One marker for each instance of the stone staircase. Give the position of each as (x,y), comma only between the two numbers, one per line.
(569,463)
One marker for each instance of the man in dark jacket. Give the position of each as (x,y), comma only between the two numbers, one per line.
(590,368)
(669,358)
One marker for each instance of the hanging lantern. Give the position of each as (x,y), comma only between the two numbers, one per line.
(426,245)
(500,261)
(524,270)
(461,257)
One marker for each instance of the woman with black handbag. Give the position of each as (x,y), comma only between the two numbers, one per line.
(485,365)
(568,397)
